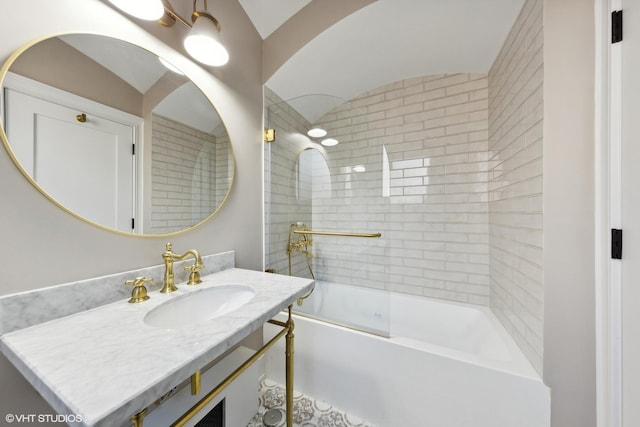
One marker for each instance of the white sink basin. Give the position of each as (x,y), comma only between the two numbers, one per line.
(199,306)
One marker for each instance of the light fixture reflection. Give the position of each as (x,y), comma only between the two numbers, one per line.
(316,133)
(329,142)
(359,168)
(149,10)
(203,41)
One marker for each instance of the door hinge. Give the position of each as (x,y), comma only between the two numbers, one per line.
(616,243)
(133,149)
(133,223)
(616,26)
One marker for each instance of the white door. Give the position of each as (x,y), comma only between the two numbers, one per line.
(88,167)
(630,46)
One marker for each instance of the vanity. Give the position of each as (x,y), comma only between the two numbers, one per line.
(107,364)
(87,350)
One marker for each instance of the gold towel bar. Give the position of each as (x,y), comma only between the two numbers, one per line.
(338,233)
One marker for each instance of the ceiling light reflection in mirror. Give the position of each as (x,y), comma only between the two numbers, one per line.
(188,162)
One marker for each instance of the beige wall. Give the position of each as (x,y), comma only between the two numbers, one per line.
(569,308)
(46,246)
(55,63)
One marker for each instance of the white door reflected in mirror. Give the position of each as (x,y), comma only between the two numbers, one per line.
(90,171)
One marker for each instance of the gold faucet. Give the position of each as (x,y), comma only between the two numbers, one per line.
(169,257)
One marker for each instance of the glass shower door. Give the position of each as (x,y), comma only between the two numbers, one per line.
(326,210)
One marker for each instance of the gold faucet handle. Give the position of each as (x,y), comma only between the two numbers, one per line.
(194,276)
(139,292)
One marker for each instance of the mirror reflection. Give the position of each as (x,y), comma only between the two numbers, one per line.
(112,135)
(313,176)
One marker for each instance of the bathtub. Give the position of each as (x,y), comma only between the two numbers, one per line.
(423,363)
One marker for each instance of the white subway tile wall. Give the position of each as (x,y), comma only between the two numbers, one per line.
(515,182)
(423,144)
(453,181)
(283,207)
(187,186)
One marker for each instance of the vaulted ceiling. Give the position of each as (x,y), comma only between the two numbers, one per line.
(385,41)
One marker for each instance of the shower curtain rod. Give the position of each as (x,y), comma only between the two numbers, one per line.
(338,233)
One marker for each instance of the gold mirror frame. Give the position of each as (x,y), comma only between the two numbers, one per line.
(5,141)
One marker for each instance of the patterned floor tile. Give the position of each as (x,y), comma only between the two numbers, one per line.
(307,412)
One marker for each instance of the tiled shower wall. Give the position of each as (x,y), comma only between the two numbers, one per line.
(189,184)
(430,205)
(282,204)
(423,143)
(515,182)
(453,181)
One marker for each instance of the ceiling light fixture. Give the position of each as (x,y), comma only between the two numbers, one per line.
(203,40)
(316,133)
(329,142)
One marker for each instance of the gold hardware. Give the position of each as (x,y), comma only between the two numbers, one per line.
(338,233)
(302,246)
(288,331)
(194,276)
(289,370)
(195,383)
(200,14)
(138,419)
(170,16)
(81,118)
(169,257)
(139,292)
(300,300)
(269,135)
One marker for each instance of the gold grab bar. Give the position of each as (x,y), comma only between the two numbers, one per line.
(338,233)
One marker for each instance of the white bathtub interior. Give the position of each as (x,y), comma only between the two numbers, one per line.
(359,308)
(442,364)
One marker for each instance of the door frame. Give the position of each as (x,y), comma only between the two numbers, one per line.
(608,215)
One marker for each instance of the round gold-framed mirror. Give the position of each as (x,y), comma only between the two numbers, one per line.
(114,135)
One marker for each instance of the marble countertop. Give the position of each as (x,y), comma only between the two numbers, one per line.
(105,364)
